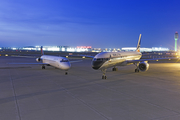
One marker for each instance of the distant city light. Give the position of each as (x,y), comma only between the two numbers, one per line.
(159,49)
(53,49)
(27,48)
(84,49)
(14,48)
(129,48)
(63,49)
(88,47)
(146,49)
(70,49)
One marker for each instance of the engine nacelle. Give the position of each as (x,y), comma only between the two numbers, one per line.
(38,59)
(143,66)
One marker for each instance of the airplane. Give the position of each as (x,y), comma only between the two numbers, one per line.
(55,61)
(105,60)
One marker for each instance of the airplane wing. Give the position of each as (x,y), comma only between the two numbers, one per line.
(29,63)
(40,63)
(75,61)
(83,56)
(88,56)
(154,59)
(24,56)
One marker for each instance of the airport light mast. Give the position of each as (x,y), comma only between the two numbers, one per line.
(176,38)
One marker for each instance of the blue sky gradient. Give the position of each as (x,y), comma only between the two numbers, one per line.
(96,23)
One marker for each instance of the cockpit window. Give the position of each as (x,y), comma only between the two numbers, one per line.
(64,60)
(100,59)
(94,59)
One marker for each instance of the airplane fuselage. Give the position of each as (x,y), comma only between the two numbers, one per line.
(58,62)
(106,60)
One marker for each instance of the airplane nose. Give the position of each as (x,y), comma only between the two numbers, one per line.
(96,64)
(66,66)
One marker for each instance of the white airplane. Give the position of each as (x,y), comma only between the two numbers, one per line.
(105,60)
(55,61)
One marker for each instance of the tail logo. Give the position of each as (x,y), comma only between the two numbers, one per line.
(139,44)
(42,53)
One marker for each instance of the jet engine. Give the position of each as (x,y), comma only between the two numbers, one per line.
(143,66)
(38,59)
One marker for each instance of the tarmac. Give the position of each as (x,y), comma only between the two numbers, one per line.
(29,93)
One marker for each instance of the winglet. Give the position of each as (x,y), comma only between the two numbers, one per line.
(139,44)
(42,53)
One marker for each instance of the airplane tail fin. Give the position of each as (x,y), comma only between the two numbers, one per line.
(139,44)
(42,52)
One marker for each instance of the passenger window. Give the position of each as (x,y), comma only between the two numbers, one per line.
(100,59)
(64,60)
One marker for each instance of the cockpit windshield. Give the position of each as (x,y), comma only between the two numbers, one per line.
(100,59)
(64,60)
(94,59)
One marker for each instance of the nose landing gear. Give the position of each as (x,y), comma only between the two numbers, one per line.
(104,73)
(43,67)
(66,73)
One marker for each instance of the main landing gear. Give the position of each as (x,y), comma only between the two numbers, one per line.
(137,69)
(114,69)
(66,73)
(43,67)
(104,73)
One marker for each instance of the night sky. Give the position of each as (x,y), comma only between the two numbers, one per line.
(96,23)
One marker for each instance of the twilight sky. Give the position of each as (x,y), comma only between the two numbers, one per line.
(96,23)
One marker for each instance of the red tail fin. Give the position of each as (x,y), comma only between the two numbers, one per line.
(42,53)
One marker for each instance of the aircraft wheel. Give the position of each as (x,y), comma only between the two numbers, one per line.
(43,67)
(114,69)
(104,77)
(136,70)
(66,73)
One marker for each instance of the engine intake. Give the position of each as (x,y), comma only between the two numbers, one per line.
(38,59)
(143,66)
